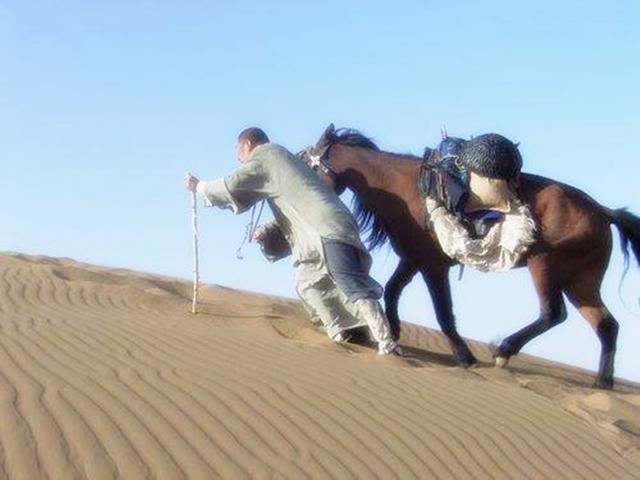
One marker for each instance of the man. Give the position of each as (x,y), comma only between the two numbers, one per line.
(332,264)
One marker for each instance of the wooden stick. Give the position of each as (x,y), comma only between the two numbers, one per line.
(196,270)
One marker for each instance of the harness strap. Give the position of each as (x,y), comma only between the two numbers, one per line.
(317,162)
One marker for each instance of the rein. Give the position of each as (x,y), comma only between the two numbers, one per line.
(250,229)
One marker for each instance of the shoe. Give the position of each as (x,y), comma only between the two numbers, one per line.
(342,337)
(390,349)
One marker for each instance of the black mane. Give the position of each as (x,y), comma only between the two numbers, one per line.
(368,222)
(350,137)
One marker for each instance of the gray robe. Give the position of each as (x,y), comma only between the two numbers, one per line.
(307,211)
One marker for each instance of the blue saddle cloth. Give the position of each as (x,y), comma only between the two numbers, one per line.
(443,177)
(449,147)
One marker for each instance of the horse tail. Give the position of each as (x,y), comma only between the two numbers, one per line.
(629,227)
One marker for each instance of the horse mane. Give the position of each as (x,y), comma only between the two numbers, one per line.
(368,221)
(350,137)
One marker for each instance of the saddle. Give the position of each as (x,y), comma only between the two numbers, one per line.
(443,177)
(474,179)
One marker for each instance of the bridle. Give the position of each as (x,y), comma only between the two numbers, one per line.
(319,162)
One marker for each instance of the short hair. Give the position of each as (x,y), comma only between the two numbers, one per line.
(254,135)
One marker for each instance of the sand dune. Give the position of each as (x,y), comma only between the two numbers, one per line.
(105,374)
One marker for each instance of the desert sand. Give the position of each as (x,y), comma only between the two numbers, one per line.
(104,373)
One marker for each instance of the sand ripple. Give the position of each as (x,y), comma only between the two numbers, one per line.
(105,374)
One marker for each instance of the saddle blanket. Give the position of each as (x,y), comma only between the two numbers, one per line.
(499,250)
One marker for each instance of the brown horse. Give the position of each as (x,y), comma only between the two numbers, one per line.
(570,255)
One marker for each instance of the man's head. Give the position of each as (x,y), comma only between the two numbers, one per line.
(249,139)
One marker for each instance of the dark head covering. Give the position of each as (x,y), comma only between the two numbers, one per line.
(492,155)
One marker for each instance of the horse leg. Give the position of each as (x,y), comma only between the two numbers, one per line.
(584,294)
(401,277)
(552,311)
(440,291)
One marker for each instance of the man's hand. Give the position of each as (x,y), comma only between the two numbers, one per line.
(191,182)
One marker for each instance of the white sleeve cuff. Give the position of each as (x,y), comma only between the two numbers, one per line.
(216,194)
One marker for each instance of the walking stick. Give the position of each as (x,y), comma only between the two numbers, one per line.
(196,271)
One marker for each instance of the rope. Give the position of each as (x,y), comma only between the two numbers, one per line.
(250,229)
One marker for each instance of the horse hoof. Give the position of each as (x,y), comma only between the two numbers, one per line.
(501,362)
(466,361)
(603,384)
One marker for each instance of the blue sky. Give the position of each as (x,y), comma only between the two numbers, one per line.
(106,104)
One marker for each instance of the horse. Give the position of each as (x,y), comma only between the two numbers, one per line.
(569,256)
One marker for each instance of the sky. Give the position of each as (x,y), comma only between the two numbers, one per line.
(105,105)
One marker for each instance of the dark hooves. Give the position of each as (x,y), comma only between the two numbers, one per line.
(467,362)
(603,384)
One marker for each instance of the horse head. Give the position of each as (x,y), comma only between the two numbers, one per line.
(317,158)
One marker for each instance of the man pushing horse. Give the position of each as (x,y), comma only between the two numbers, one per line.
(332,265)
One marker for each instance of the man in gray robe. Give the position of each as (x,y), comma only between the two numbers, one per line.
(332,265)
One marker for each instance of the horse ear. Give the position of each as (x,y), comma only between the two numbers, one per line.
(328,131)
(324,142)
(326,136)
